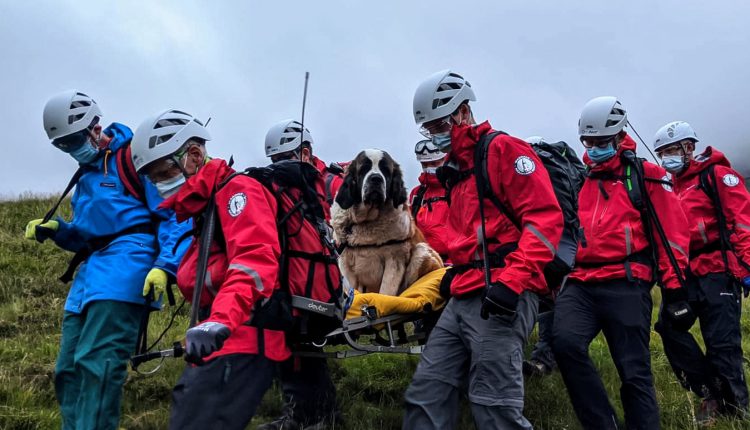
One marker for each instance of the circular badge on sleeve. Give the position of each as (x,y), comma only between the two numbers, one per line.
(666,178)
(236,204)
(730,180)
(525,165)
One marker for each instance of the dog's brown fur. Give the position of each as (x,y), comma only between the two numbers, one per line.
(384,250)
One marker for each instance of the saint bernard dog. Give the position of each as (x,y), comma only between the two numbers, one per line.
(384,251)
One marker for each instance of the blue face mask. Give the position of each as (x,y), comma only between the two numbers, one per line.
(442,141)
(673,163)
(598,155)
(170,186)
(85,154)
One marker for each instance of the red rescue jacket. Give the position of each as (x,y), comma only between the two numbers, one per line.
(613,235)
(432,215)
(521,182)
(328,186)
(705,248)
(243,264)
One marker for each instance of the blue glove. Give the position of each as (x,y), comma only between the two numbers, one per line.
(746,286)
(204,339)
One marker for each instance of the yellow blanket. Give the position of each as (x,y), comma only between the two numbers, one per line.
(426,290)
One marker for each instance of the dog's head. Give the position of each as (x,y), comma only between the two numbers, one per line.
(373,178)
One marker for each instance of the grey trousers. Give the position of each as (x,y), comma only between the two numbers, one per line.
(484,355)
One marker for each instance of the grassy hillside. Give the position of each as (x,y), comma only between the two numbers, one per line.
(370,389)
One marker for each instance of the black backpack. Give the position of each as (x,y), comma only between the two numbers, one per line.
(566,173)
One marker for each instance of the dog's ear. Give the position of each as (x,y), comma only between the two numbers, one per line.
(349,193)
(397,189)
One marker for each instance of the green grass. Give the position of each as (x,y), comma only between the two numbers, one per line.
(370,389)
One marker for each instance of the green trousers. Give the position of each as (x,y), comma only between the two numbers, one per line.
(92,364)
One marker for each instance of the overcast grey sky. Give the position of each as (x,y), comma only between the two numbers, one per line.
(533,64)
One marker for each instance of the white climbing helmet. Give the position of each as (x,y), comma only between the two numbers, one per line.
(440,95)
(286,136)
(602,116)
(164,134)
(673,132)
(69,112)
(427,151)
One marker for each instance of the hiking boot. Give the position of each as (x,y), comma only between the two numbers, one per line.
(535,368)
(708,412)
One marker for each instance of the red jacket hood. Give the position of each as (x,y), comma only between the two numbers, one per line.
(463,140)
(431,181)
(709,157)
(319,164)
(614,163)
(193,196)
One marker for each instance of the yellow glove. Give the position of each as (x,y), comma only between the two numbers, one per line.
(156,280)
(31,229)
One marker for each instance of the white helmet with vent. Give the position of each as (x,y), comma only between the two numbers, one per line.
(286,136)
(440,95)
(69,112)
(164,134)
(602,116)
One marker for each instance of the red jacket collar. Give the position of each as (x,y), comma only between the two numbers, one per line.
(193,196)
(709,157)
(431,181)
(463,140)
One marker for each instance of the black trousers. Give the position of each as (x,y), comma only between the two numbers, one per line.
(718,373)
(308,389)
(221,394)
(622,311)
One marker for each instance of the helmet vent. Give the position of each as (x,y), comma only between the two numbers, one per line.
(74,118)
(440,102)
(170,122)
(79,103)
(287,140)
(158,140)
(447,86)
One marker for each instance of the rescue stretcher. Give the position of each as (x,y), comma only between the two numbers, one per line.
(367,323)
(377,323)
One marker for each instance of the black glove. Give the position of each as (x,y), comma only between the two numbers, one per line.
(677,309)
(499,300)
(204,339)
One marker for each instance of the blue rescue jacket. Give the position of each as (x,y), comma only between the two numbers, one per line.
(101,207)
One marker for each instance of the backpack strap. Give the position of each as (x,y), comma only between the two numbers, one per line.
(416,204)
(482,175)
(128,175)
(709,186)
(635,182)
(72,183)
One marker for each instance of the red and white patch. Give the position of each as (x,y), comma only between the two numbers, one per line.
(525,165)
(730,180)
(236,204)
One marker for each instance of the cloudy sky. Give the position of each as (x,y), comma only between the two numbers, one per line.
(533,64)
